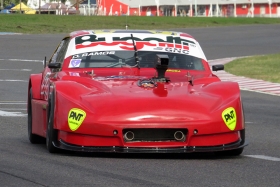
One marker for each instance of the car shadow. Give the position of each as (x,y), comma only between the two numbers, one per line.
(176,156)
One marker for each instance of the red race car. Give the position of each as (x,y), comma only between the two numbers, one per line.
(134,91)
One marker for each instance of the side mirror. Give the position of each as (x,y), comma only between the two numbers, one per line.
(218,67)
(54,65)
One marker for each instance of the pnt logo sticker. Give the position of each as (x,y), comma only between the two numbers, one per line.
(75,118)
(229,117)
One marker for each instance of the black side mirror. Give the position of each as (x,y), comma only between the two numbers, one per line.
(54,65)
(218,67)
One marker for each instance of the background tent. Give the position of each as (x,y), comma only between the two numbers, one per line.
(24,8)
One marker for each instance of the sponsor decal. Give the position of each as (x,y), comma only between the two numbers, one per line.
(97,53)
(229,117)
(169,43)
(173,70)
(75,74)
(75,118)
(75,63)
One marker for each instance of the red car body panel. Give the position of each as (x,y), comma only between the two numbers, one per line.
(96,107)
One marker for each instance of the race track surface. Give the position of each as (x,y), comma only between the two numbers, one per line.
(26,165)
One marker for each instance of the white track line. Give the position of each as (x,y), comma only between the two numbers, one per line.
(264,157)
(11,114)
(15,69)
(13,103)
(9,80)
(13,109)
(22,60)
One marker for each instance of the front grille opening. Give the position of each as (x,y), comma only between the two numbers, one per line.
(154,135)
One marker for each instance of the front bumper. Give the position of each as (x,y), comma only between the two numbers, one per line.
(186,149)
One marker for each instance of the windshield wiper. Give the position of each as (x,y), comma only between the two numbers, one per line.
(135,52)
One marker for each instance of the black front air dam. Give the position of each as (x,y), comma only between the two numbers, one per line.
(187,149)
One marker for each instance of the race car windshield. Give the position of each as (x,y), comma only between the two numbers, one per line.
(101,59)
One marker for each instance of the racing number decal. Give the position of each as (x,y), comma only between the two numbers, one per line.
(229,117)
(75,118)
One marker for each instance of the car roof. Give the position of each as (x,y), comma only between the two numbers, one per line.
(80,41)
(111,31)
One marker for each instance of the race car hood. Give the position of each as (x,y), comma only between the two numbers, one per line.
(118,98)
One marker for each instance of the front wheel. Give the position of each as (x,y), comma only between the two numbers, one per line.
(51,132)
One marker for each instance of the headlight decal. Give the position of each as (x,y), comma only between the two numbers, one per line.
(229,117)
(75,118)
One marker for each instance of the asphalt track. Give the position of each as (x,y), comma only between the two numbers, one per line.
(26,165)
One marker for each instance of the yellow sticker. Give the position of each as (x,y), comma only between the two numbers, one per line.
(229,117)
(75,118)
(173,70)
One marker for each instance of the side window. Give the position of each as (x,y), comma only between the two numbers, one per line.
(59,54)
(62,51)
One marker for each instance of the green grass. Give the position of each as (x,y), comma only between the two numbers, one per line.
(51,24)
(266,67)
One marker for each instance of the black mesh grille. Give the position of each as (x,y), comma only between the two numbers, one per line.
(154,135)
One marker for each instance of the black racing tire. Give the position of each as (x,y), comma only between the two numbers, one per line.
(33,138)
(51,132)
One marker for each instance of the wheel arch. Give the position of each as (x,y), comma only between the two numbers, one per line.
(34,83)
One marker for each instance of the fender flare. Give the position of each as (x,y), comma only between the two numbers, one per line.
(35,82)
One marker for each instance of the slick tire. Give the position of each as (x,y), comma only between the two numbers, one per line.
(51,132)
(33,138)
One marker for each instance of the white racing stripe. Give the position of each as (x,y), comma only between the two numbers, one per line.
(264,157)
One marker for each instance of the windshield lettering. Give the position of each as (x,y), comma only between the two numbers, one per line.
(97,53)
